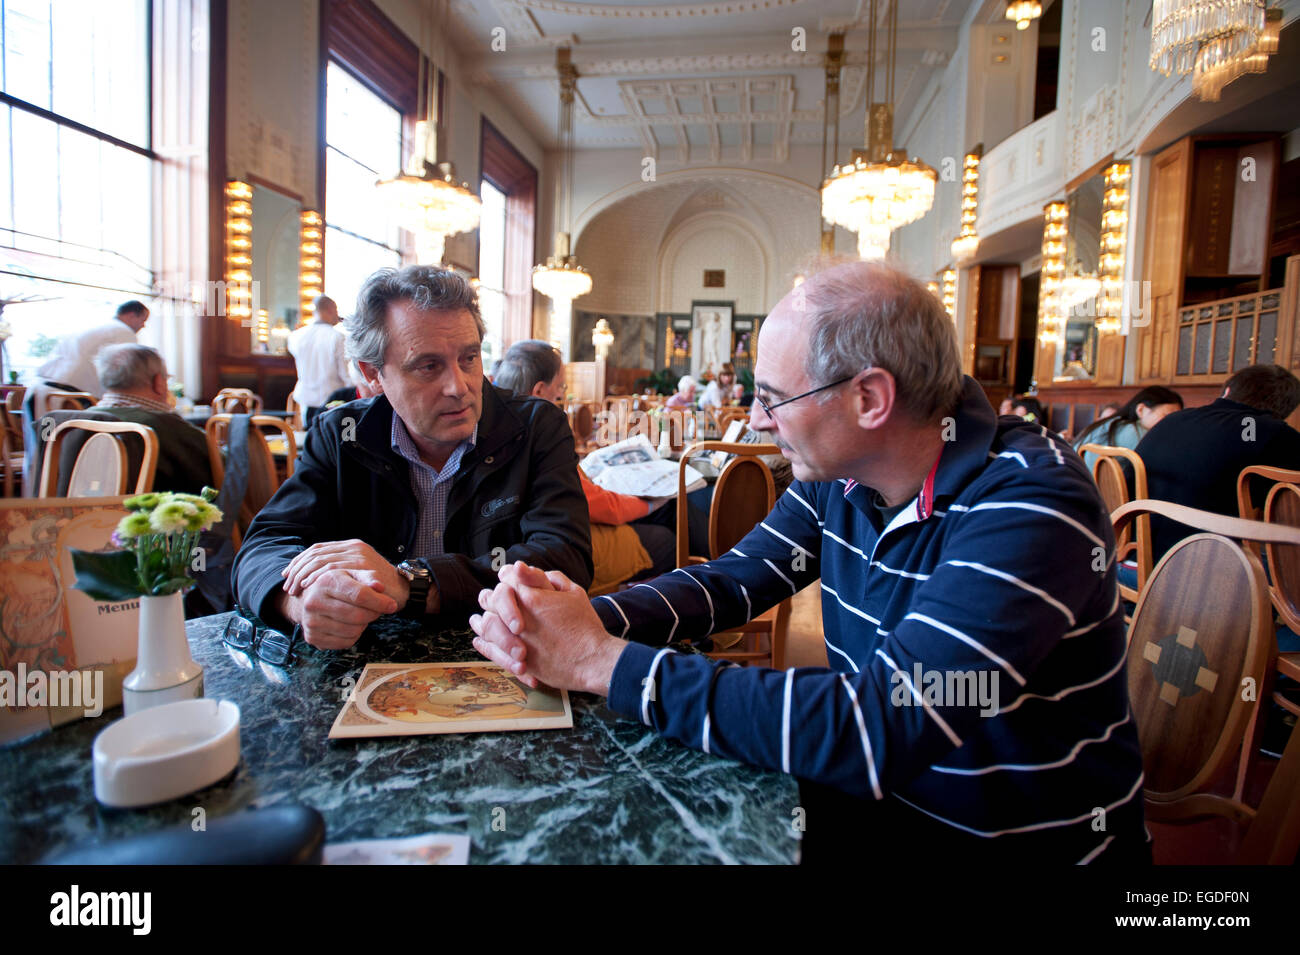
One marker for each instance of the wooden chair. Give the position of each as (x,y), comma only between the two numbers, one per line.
(295,413)
(1281,507)
(101,467)
(582,422)
(725,416)
(1201,631)
(236,401)
(67,401)
(743,495)
(263,475)
(12,448)
(1112,482)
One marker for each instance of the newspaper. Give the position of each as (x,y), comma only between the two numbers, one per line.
(634,467)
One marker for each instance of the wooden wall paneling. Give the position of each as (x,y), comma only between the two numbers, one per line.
(1252,210)
(1045,365)
(1213,194)
(1110,359)
(971,318)
(1167,211)
(1289,317)
(361,37)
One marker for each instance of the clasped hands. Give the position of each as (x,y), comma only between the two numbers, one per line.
(541,628)
(336,589)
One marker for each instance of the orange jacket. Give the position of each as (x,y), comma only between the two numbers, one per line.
(610,507)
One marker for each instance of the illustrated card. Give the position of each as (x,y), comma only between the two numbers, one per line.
(414,699)
(48,626)
(429,849)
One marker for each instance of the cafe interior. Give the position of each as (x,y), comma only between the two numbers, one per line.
(1102,196)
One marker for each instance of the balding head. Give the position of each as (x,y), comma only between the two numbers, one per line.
(857,315)
(325,310)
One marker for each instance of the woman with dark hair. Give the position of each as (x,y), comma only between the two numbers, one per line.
(1126,427)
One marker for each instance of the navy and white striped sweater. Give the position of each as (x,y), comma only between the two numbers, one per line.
(1011,571)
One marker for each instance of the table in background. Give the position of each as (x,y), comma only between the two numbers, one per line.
(608,790)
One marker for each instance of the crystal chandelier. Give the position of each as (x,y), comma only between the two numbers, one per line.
(562,279)
(1223,59)
(1180,27)
(1024,11)
(880,189)
(425,196)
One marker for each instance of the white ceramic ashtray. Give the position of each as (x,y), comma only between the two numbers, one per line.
(166,751)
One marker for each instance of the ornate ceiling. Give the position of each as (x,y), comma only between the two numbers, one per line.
(727,81)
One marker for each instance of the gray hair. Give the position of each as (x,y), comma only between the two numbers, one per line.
(525,364)
(684,382)
(128,367)
(868,314)
(427,287)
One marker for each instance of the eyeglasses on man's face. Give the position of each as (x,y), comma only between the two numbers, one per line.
(247,633)
(769,409)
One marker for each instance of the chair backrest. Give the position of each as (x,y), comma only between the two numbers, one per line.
(100,465)
(69,401)
(743,495)
(1201,632)
(263,475)
(725,416)
(295,413)
(581,421)
(1108,472)
(236,401)
(1281,506)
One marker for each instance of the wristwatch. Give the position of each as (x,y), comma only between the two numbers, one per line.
(418,576)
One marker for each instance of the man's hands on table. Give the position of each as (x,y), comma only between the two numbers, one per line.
(336,589)
(542,628)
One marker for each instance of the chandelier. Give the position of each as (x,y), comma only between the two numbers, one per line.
(1024,11)
(561,278)
(425,197)
(879,190)
(1215,40)
(1223,59)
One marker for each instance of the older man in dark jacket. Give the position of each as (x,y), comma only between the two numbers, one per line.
(410,501)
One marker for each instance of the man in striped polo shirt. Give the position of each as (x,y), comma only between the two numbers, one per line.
(976,705)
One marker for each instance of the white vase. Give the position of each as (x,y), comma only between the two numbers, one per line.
(164,670)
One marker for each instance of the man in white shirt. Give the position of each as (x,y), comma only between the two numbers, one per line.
(317,350)
(74,361)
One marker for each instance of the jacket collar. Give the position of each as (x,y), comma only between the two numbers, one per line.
(968,439)
(974,429)
(498,425)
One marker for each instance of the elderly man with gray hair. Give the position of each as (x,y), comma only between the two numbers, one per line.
(134,380)
(975,712)
(411,500)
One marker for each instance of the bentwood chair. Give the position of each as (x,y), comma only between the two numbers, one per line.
(263,449)
(1109,474)
(1281,507)
(743,495)
(100,466)
(11,441)
(236,401)
(1200,661)
(582,423)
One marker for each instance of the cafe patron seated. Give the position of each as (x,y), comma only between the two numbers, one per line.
(676,434)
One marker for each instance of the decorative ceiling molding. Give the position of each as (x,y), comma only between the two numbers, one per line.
(662,11)
(774,96)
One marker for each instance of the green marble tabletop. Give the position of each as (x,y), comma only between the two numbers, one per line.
(607,791)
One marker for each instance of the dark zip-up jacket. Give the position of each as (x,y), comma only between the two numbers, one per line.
(516,492)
